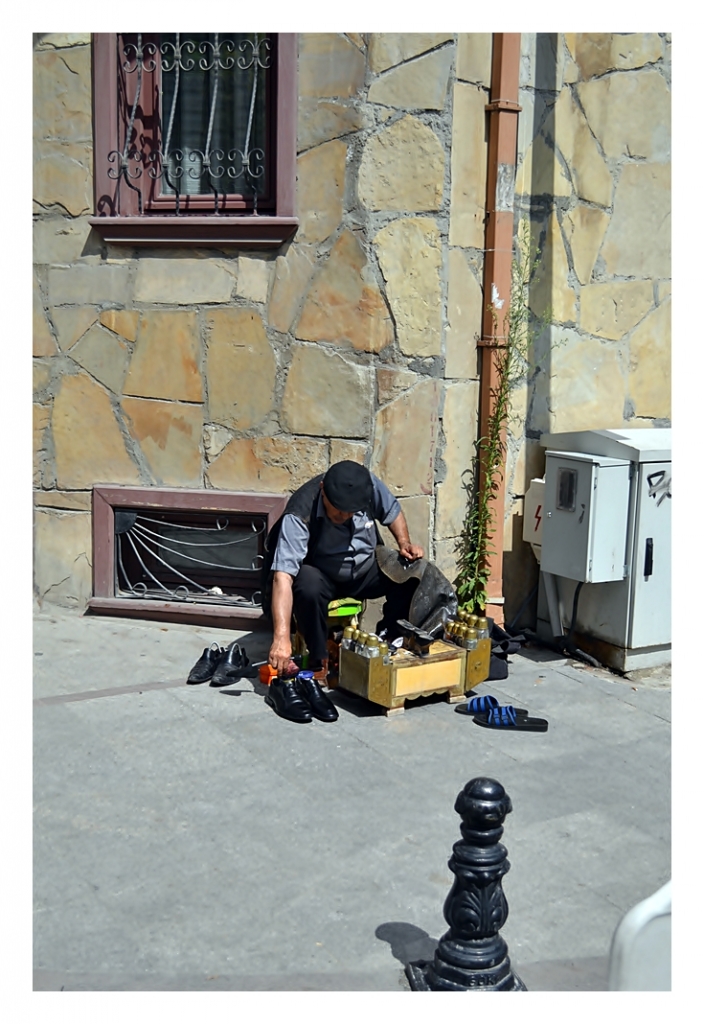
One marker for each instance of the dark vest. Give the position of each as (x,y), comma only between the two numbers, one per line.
(303,504)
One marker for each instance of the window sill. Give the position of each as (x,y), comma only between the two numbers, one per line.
(252,232)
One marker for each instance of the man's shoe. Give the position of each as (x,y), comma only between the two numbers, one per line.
(321,706)
(204,668)
(284,698)
(229,666)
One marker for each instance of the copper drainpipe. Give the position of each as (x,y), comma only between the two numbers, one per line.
(503,111)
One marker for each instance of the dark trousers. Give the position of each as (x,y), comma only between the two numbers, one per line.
(313,590)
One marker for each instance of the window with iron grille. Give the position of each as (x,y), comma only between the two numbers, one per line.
(194,137)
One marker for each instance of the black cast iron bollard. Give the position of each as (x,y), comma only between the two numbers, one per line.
(472,955)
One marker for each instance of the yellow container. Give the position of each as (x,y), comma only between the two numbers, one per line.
(406,676)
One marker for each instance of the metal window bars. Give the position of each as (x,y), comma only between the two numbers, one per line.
(210,133)
(152,556)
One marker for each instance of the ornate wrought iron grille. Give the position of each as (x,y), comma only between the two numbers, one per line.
(191,557)
(194,120)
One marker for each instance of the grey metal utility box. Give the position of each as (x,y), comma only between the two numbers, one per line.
(607,506)
(586,516)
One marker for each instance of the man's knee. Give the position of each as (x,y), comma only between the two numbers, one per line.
(311,585)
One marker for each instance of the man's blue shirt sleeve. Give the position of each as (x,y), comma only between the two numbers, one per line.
(386,507)
(292,545)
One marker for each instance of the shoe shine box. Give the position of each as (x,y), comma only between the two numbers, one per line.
(406,676)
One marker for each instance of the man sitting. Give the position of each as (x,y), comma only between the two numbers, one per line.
(326,550)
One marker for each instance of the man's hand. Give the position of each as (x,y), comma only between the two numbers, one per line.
(399,529)
(410,551)
(280,655)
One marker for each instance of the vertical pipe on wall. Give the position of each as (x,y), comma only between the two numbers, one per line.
(503,111)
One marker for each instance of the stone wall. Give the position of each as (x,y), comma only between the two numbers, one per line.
(594,183)
(252,371)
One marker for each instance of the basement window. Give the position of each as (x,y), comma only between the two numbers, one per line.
(179,555)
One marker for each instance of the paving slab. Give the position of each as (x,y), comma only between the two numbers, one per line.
(188,839)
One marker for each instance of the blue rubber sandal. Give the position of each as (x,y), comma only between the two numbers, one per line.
(482,705)
(508,718)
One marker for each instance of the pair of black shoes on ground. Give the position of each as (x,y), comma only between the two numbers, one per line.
(300,700)
(220,665)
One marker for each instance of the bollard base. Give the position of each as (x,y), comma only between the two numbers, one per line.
(422,978)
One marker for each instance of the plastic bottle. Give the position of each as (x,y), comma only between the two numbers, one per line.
(347,635)
(384,652)
(373,646)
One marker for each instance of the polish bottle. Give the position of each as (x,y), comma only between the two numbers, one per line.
(484,644)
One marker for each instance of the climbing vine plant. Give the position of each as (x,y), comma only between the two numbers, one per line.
(520,328)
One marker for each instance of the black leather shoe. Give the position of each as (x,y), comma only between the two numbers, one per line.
(229,666)
(284,698)
(204,668)
(320,705)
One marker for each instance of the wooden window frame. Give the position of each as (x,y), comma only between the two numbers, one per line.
(106,499)
(198,228)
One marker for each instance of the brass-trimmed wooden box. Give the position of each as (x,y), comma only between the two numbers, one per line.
(407,675)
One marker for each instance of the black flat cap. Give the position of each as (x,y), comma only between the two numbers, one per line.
(348,486)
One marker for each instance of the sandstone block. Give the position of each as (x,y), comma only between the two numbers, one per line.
(239,469)
(629,114)
(459,420)
(342,451)
(62,94)
(410,256)
(321,188)
(418,85)
(87,439)
(169,435)
(74,501)
(328,65)
(241,369)
(390,383)
(638,241)
(650,372)
(405,436)
(63,557)
(89,284)
(122,321)
(215,437)
(540,173)
(585,227)
(587,385)
(598,52)
(41,416)
(71,322)
(402,168)
(446,557)
(300,457)
(416,509)
(325,395)
(60,40)
(253,279)
(41,375)
(551,289)
(465,308)
(292,275)
(389,48)
(165,363)
(59,239)
(43,343)
(591,177)
(324,120)
(344,304)
(474,57)
(104,356)
(611,309)
(468,166)
(63,177)
(179,281)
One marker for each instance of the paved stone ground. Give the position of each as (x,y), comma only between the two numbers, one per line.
(186,838)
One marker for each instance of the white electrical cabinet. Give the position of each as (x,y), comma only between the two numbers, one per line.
(606,525)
